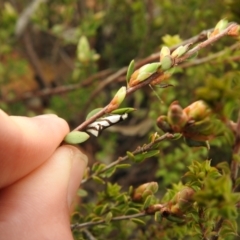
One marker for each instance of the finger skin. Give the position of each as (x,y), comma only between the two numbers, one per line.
(37,206)
(26,143)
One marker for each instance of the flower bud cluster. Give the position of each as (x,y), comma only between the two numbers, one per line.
(192,122)
(144,191)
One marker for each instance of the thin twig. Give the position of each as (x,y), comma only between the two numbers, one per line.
(205,43)
(112,78)
(190,53)
(139,150)
(217,229)
(88,234)
(125,217)
(200,223)
(211,57)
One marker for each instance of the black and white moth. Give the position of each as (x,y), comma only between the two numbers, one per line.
(98,126)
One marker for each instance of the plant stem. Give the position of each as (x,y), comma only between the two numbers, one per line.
(125,217)
(156,75)
(142,149)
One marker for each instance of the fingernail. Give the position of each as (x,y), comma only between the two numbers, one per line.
(79,163)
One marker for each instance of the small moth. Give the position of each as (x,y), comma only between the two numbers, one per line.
(98,126)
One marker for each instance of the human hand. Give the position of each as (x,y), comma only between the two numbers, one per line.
(38,179)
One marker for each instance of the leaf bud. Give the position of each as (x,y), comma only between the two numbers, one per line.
(83,50)
(197,110)
(234,31)
(180,51)
(163,124)
(166,63)
(176,117)
(165,51)
(143,73)
(144,190)
(117,99)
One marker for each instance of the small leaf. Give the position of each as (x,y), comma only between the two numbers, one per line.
(76,137)
(130,70)
(98,179)
(138,221)
(165,51)
(123,110)
(123,166)
(158,217)
(194,143)
(93,112)
(147,202)
(132,211)
(130,190)
(142,156)
(82,193)
(97,167)
(177,136)
(166,63)
(151,153)
(175,219)
(131,156)
(108,217)
(109,172)
(101,209)
(96,219)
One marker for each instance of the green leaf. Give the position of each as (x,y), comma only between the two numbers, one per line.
(151,153)
(130,190)
(171,40)
(177,136)
(194,143)
(123,166)
(76,137)
(109,172)
(166,63)
(131,156)
(101,209)
(224,167)
(132,211)
(147,202)
(108,217)
(130,70)
(97,167)
(98,179)
(123,110)
(93,112)
(158,217)
(138,221)
(174,219)
(147,70)
(82,193)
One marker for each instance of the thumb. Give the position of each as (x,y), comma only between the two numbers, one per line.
(38,204)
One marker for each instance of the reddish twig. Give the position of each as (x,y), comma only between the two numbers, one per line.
(112,78)
(156,75)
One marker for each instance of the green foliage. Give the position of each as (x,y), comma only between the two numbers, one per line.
(91,36)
